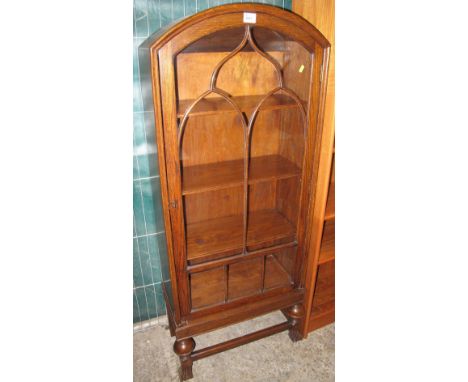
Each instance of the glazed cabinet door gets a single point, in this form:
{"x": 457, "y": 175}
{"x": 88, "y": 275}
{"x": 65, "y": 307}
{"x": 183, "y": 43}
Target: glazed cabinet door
{"x": 239, "y": 107}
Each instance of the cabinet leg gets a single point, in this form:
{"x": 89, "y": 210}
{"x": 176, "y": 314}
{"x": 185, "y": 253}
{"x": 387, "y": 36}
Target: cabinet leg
{"x": 295, "y": 315}
{"x": 184, "y": 348}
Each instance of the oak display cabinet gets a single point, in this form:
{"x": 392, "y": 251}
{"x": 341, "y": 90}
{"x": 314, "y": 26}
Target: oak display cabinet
{"x": 238, "y": 95}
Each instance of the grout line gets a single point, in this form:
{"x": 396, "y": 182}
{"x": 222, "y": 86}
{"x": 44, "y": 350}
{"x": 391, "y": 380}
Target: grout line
{"x": 148, "y": 234}
{"x": 147, "y": 20}
{"x": 146, "y": 177}
{"x": 147, "y": 285}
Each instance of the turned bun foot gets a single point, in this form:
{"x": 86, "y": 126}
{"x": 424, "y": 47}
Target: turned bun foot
{"x": 295, "y": 315}
{"x": 184, "y": 348}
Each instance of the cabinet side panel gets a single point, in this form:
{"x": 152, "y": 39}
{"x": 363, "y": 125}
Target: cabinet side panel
{"x": 155, "y": 143}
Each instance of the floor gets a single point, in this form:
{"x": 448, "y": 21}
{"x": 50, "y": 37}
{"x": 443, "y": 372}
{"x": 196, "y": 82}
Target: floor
{"x": 272, "y": 359}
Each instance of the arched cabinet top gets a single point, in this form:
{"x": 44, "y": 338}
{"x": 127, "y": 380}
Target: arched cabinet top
{"x": 187, "y": 31}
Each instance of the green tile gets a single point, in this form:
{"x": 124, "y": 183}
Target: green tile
{"x": 161, "y": 305}
{"x": 136, "y": 76}
{"x": 137, "y": 100}
{"x": 146, "y": 264}
{"x": 141, "y": 18}
{"x": 136, "y": 174}
{"x": 166, "y": 12}
{"x": 288, "y": 4}
{"x": 178, "y": 10}
{"x": 151, "y": 190}
{"x": 138, "y": 209}
{"x": 139, "y": 139}
{"x": 152, "y": 301}
{"x": 150, "y": 132}
{"x": 154, "y": 22}
{"x": 148, "y": 165}
{"x": 137, "y": 275}
{"x": 202, "y": 4}
{"x": 154, "y": 257}
{"x": 142, "y": 303}
{"x": 136, "y": 309}
{"x": 190, "y": 7}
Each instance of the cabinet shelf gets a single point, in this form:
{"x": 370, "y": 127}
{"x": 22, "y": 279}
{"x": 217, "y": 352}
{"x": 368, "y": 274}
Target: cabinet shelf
{"x": 218, "y": 105}
{"x": 215, "y": 176}
{"x": 330, "y": 208}
{"x": 327, "y": 250}
{"x": 215, "y": 238}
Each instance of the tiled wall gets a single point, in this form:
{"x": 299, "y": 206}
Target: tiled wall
{"x": 148, "y": 228}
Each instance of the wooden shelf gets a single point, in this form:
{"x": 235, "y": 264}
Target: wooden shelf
{"x": 212, "y": 239}
{"x": 215, "y": 176}
{"x": 327, "y": 250}
{"x": 330, "y": 208}
{"x": 218, "y": 105}
{"x": 323, "y": 305}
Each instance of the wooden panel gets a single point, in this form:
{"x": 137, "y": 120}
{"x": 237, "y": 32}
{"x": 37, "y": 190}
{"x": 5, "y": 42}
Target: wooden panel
{"x": 216, "y": 105}
{"x": 208, "y": 288}
{"x": 327, "y": 250}
{"x": 275, "y": 274}
{"x": 330, "y": 208}
{"x": 224, "y": 174}
{"x": 297, "y": 71}
{"x": 265, "y": 133}
{"x": 247, "y": 73}
{"x": 228, "y": 39}
{"x": 211, "y": 139}
{"x": 323, "y": 305}
{"x": 287, "y": 198}
{"x": 262, "y": 196}
{"x": 203, "y": 323}
{"x": 220, "y": 237}
{"x": 245, "y": 278}
{"x": 199, "y": 206}
{"x": 291, "y": 139}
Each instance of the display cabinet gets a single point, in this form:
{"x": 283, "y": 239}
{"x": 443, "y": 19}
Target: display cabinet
{"x": 237, "y": 96}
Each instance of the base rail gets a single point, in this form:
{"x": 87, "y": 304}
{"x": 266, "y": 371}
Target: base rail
{"x": 235, "y": 342}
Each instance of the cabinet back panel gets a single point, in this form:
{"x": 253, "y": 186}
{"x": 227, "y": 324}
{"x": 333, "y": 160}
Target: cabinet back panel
{"x": 219, "y": 137}
{"x": 247, "y": 73}
{"x": 213, "y": 204}
{"x": 262, "y": 196}
{"x": 287, "y": 198}
{"x": 297, "y": 69}
{"x": 212, "y": 138}
{"x": 291, "y": 139}
{"x": 265, "y": 133}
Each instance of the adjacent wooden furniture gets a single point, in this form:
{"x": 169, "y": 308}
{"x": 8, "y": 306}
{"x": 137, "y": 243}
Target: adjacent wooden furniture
{"x": 320, "y": 279}
{"x": 238, "y": 96}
